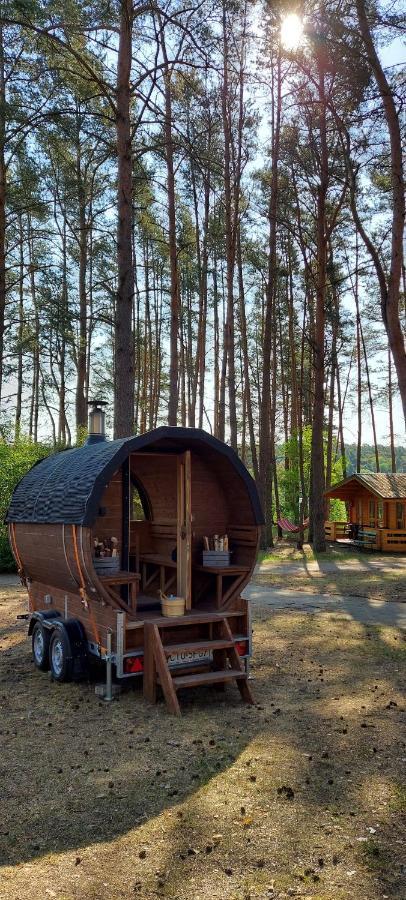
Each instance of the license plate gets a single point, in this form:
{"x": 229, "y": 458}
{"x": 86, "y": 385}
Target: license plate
{"x": 189, "y": 657}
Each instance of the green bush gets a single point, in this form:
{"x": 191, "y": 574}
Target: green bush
{"x": 15, "y": 461}
{"x": 289, "y": 480}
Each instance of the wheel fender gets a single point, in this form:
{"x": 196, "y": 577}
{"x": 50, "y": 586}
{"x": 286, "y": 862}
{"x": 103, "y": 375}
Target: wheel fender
{"x": 75, "y": 636}
{"x": 45, "y": 616}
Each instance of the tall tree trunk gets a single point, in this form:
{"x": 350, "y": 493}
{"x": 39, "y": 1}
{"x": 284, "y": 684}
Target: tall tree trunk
{"x": 2, "y": 208}
{"x": 17, "y": 431}
{"x": 229, "y": 238}
{"x": 221, "y": 427}
{"x": 265, "y": 474}
{"x": 340, "y": 437}
{"x": 371, "y": 403}
{"x": 81, "y": 405}
{"x": 34, "y": 409}
{"x": 173, "y": 250}
{"x": 390, "y": 400}
{"x": 245, "y": 361}
{"x": 216, "y": 341}
{"x": 390, "y": 297}
{"x": 317, "y": 452}
{"x": 124, "y": 338}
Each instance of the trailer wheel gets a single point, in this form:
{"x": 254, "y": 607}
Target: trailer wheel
{"x": 40, "y": 646}
{"x": 60, "y": 656}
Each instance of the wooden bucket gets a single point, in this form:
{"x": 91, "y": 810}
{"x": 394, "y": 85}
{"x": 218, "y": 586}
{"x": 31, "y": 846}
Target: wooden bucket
{"x": 172, "y": 606}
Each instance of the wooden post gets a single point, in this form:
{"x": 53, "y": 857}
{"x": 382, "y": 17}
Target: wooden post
{"x": 125, "y": 548}
{"x": 184, "y": 530}
{"x": 149, "y": 684}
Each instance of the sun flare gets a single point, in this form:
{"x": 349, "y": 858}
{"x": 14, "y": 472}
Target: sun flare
{"x": 292, "y": 30}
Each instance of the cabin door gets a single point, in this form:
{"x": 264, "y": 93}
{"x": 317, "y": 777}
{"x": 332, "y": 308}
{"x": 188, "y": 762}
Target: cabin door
{"x": 184, "y": 528}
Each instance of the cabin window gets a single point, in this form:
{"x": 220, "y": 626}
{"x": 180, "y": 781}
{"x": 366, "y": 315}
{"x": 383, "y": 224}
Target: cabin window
{"x": 400, "y": 515}
{"x": 380, "y": 515}
{"x": 139, "y": 505}
{"x": 372, "y": 512}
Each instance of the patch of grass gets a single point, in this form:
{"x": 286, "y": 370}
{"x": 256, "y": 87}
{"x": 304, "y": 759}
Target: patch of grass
{"x": 286, "y": 551}
{"x": 372, "y": 854}
{"x": 398, "y": 799}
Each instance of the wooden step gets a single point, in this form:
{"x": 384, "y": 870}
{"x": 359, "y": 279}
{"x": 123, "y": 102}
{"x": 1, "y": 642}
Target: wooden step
{"x": 196, "y": 646}
{"x": 221, "y": 675}
{"x": 157, "y": 671}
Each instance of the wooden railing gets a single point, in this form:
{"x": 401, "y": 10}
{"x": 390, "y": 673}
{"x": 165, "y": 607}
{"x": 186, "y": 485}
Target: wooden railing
{"x": 393, "y": 540}
{"x": 387, "y": 539}
{"x": 334, "y": 530}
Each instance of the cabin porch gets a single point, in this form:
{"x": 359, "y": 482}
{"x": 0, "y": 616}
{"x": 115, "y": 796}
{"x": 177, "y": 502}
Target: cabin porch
{"x": 386, "y": 540}
{"x": 376, "y": 508}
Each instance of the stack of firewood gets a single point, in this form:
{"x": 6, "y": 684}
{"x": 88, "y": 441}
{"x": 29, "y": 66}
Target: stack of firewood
{"x": 106, "y": 547}
{"x": 218, "y": 542}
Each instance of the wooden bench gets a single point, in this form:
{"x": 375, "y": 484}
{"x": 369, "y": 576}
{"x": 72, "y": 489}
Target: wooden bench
{"x": 237, "y": 573}
{"x": 366, "y": 539}
{"x": 152, "y": 545}
{"x": 159, "y": 565}
{"x": 117, "y": 579}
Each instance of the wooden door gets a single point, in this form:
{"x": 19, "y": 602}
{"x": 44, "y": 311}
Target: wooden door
{"x": 184, "y": 529}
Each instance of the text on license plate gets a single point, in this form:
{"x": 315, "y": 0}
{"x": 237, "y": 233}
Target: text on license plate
{"x": 188, "y": 657}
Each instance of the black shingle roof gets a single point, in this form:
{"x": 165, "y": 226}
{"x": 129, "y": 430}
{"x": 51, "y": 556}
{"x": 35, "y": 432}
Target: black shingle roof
{"x": 67, "y": 487}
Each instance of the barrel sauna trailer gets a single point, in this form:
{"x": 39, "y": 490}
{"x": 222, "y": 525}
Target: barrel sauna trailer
{"x": 100, "y": 533}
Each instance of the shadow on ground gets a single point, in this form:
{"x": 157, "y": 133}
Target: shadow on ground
{"x": 229, "y": 801}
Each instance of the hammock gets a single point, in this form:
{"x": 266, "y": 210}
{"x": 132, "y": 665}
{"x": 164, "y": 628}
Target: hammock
{"x": 286, "y": 525}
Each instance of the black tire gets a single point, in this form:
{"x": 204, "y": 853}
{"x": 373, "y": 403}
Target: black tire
{"x": 60, "y": 660}
{"x": 41, "y": 639}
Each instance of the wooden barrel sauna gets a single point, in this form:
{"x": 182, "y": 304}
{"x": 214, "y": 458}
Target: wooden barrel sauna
{"x": 160, "y": 496}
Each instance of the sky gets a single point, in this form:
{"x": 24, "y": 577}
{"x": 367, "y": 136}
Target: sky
{"x": 393, "y": 55}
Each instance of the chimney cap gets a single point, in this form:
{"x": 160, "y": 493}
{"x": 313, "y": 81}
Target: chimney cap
{"x": 96, "y": 402}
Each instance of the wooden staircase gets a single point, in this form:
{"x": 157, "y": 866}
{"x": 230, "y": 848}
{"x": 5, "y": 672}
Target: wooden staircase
{"x": 160, "y": 643}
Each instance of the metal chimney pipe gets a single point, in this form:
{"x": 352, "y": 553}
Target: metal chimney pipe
{"x": 97, "y": 422}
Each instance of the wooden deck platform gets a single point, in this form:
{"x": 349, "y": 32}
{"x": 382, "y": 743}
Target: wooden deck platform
{"x": 201, "y": 614}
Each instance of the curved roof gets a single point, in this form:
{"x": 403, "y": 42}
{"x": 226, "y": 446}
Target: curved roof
{"x": 67, "y": 487}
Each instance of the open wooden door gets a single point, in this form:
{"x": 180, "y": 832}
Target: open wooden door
{"x": 184, "y": 529}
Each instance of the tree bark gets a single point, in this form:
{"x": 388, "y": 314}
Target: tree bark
{"x": 173, "y": 250}
{"x": 230, "y": 240}
{"x": 2, "y": 208}
{"x": 124, "y": 339}
{"x": 264, "y": 462}
{"x": 17, "y": 431}
{"x": 390, "y": 400}
{"x": 317, "y": 452}
{"x": 81, "y": 405}
{"x": 390, "y": 297}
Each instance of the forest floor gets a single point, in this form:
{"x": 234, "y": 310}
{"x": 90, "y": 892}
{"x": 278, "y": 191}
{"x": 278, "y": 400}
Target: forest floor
{"x": 298, "y": 796}
{"x": 338, "y": 571}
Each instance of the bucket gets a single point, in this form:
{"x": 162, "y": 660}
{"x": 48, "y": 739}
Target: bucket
{"x": 172, "y": 606}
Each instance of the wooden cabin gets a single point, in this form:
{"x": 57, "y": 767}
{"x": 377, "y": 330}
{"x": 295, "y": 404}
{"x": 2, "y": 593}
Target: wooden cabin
{"x": 376, "y": 505}
{"x": 157, "y": 500}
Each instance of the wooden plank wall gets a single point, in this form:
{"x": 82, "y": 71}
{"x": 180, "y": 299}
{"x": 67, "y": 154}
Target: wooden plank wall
{"x": 41, "y": 549}
{"x": 110, "y": 525}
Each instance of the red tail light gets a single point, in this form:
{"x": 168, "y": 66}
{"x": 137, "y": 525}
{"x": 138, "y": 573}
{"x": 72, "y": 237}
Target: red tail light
{"x": 133, "y": 664}
{"x": 242, "y": 648}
